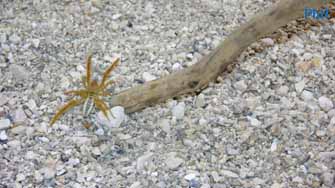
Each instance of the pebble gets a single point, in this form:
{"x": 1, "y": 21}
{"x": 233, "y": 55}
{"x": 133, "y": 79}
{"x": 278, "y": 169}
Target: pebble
{"x": 116, "y": 117}
{"x": 14, "y": 38}
{"x": 325, "y": 103}
{"x": 276, "y": 185}
{"x": 307, "y": 96}
{"x": 3, "y": 136}
{"x": 143, "y": 160}
{"x": 200, "y": 101}
{"x": 178, "y": 111}
{"x": 165, "y": 126}
{"x": 148, "y": 77}
{"x": 241, "y": 85}
{"x": 20, "y": 177}
{"x": 173, "y": 162}
{"x": 205, "y": 186}
{"x": 176, "y": 67}
{"x": 191, "y": 176}
{"x": 48, "y": 173}
{"x": 30, "y": 155}
{"x": 19, "y": 72}
{"x": 229, "y": 174}
{"x": 267, "y": 41}
{"x": 14, "y": 143}
{"x": 4, "y": 124}
{"x": 254, "y": 122}
{"x": 35, "y": 42}
{"x": 300, "y": 86}
{"x": 283, "y": 90}
{"x": 18, "y": 130}
{"x": 136, "y": 184}
{"x": 328, "y": 178}
{"x": 3, "y": 99}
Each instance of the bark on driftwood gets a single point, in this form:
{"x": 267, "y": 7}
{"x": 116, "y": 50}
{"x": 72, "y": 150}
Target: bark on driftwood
{"x": 197, "y": 77}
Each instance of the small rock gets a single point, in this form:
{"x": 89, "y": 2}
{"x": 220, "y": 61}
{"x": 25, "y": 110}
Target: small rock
{"x": 229, "y": 174}
{"x": 20, "y": 117}
{"x": 116, "y": 117}
{"x": 38, "y": 176}
{"x": 19, "y": 130}
{"x": 14, "y": 143}
{"x": 327, "y": 36}
{"x": 303, "y": 66}
{"x": 48, "y": 173}
{"x": 96, "y": 151}
{"x": 200, "y": 101}
{"x": 100, "y": 132}
{"x": 31, "y": 104}
{"x": 173, "y": 162}
{"x": 148, "y": 77}
{"x": 307, "y": 96}
{"x": 20, "y": 177}
{"x": 241, "y": 85}
{"x": 300, "y": 86}
{"x": 325, "y": 103}
{"x": 328, "y": 179}
{"x": 30, "y": 155}
{"x": 274, "y": 145}
{"x": 4, "y": 124}
{"x": 3, "y": 136}
{"x": 165, "y": 126}
{"x": 73, "y": 161}
{"x": 3, "y": 99}
{"x": 191, "y": 176}
{"x": 14, "y": 38}
{"x": 254, "y": 122}
{"x": 116, "y": 16}
{"x": 97, "y": 3}
{"x": 205, "y": 186}
{"x": 136, "y": 184}
{"x": 19, "y": 72}
{"x": 178, "y": 111}
{"x": 267, "y": 41}
{"x": 283, "y": 90}
{"x": 176, "y": 67}
{"x": 35, "y": 42}
{"x": 298, "y": 179}
{"x": 202, "y": 122}
{"x": 276, "y": 185}
{"x": 144, "y": 160}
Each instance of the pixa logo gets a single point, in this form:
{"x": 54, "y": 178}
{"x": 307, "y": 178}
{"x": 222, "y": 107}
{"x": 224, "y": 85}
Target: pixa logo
{"x": 322, "y": 13}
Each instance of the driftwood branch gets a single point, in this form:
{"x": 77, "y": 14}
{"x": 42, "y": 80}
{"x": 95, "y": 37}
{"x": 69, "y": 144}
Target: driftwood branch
{"x": 197, "y": 77}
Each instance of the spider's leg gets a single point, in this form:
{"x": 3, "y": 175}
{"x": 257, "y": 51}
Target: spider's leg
{"x": 65, "y": 108}
{"x": 83, "y": 80}
{"x": 109, "y": 70}
{"x": 88, "y": 70}
{"x": 107, "y": 84}
{"x": 101, "y": 105}
{"x": 88, "y": 105}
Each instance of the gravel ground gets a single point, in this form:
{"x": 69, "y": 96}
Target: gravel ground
{"x": 268, "y": 123}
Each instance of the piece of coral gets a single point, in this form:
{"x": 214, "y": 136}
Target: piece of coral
{"x": 91, "y": 94}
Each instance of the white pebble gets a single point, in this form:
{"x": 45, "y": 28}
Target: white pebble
{"x": 178, "y": 111}
{"x": 325, "y": 103}
{"x": 116, "y": 117}
{"x": 143, "y": 160}
{"x": 267, "y": 41}
{"x": 300, "y": 86}
{"x": 3, "y": 135}
{"x": 176, "y": 67}
{"x": 4, "y": 124}
{"x": 148, "y": 77}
